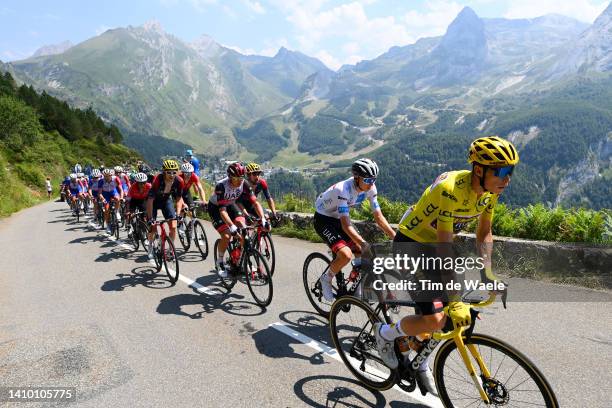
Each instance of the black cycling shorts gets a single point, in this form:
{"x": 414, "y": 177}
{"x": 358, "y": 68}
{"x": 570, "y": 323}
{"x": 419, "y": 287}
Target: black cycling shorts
{"x": 423, "y": 308}
{"x": 331, "y": 232}
{"x": 188, "y": 198}
{"x": 215, "y": 215}
{"x": 166, "y": 206}
{"x": 136, "y": 204}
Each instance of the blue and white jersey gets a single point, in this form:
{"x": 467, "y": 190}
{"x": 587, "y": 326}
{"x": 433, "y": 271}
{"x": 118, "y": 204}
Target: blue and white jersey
{"x": 338, "y": 199}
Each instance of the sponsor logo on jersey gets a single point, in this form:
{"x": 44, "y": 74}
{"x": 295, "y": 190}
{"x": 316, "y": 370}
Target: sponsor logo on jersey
{"x": 449, "y": 195}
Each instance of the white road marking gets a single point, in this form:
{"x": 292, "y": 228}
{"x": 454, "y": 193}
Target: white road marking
{"x": 428, "y": 399}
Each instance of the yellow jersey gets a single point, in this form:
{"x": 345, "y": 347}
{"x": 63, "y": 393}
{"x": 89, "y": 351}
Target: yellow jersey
{"x": 448, "y": 205}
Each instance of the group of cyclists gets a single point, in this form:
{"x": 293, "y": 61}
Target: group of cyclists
{"x": 444, "y": 208}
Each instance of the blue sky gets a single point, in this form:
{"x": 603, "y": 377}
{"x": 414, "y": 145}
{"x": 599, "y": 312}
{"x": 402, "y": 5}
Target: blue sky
{"x": 335, "y": 31}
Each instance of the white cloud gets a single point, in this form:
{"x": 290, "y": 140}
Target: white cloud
{"x": 328, "y": 59}
{"x": 254, "y": 6}
{"x": 434, "y": 20}
{"x": 346, "y": 22}
{"x": 243, "y": 51}
{"x": 351, "y": 48}
{"x": 202, "y": 5}
{"x": 584, "y": 10}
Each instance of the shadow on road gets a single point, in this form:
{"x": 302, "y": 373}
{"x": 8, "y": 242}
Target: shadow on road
{"x": 140, "y": 276}
{"x": 190, "y": 256}
{"x": 330, "y": 391}
{"x": 275, "y": 344}
{"x": 309, "y": 323}
{"x": 115, "y": 253}
{"x": 85, "y": 240}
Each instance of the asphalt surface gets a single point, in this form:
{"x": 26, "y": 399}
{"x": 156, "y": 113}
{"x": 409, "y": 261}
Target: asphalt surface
{"x": 79, "y": 309}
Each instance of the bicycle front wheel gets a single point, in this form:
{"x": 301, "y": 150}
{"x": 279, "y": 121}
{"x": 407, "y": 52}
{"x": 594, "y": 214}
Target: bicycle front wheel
{"x": 514, "y": 380}
{"x": 258, "y": 277}
{"x": 171, "y": 263}
{"x": 351, "y": 322}
{"x": 200, "y": 239}
{"x": 315, "y": 265}
{"x": 266, "y": 247}
{"x": 229, "y": 282}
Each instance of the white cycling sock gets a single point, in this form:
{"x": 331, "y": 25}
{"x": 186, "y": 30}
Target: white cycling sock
{"x": 220, "y": 257}
{"x": 425, "y": 364}
{"x": 392, "y": 331}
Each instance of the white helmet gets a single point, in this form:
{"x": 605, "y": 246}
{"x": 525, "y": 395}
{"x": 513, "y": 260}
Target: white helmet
{"x": 365, "y": 168}
{"x": 95, "y": 173}
{"x": 140, "y": 177}
{"x": 108, "y": 172}
{"x": 73, "y": 176}
{"x": 80, "y": 175}
{"x": 118, "y": 169}
{"x": 187, "y": 168}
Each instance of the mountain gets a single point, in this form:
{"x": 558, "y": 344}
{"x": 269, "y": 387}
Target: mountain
{"x": 151, "y": 83}
{"x": 286, "y": 71}
{"x": 590, "y": 53}
{"x": 52, "y": 49}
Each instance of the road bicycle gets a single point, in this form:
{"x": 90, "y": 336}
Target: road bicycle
{"x": 469, "y": 369}
{"x": 315, "y": 265}
{"x": 137, "y": 230}
{"x": 189, "y": 228}
{"x": 164, "y": 253}
{"x": 246, "y": 260}
{"x": 263, "y": 242}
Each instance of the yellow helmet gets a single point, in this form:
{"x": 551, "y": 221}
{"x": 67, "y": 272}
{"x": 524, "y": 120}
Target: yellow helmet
{"x": 252, "y": 168}
{"x": 170, "y": 165}
{"x": 493, "y": 151}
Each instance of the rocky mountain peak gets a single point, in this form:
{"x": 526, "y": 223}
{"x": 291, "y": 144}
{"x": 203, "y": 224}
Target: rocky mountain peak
{"x": 52, "y": 49}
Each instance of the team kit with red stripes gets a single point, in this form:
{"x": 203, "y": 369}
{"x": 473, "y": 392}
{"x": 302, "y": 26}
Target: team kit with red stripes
{"x": 447, "y": 206}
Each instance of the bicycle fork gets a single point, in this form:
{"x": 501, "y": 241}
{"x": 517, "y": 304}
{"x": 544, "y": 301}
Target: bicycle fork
{"x": 462, "y": 348}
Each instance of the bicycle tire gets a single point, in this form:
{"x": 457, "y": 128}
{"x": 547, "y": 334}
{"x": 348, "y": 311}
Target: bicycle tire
{"x": 267, "y": 250}
{"x": 377, "y": 378}
{"x": 262, "y": 275}
{"x": 185, "y": 241}
{"x": 229, "y": 282}
{"x": 312, "y": 286}
{"x": 200, "y": 238}
{"x": 445, "y": 350}
{"x": 170, "y": 250}
{"x": 77, "y": 210}
{"x": 157, "y": 253}
{"x": 143, "y": 232}
{"x": 134, "y": 236}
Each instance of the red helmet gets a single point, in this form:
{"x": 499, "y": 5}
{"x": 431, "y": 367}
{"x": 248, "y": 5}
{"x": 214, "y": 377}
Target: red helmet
{"x": 236, "y": 170}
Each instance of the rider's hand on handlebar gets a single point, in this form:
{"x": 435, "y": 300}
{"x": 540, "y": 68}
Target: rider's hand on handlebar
{"x": 460, "y": 314}
{"x": 233, "y": 229}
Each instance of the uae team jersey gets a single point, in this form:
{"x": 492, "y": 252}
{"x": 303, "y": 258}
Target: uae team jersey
{"x": 338, "y": 199}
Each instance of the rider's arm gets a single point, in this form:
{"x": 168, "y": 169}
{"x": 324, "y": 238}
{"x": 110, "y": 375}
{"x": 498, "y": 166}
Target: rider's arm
{"x": 348, "y": 228}
{"x": 200, "y": 189}
{"x": 266, "y": 193}
{"x": 383, "y": 224}
{"x": 484, "y": 238}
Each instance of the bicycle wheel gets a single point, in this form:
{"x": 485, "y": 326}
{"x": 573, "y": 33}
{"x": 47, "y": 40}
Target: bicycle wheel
{"x": 134, "y": 234}
{"x": 200, "y": 239}
{"x": 266, "y": 247}
{"x": 170, "y": 260}
{"x": 77, "y": 209}
{"x": 181, "y": 229}
{"x": 350, "y": 322}
{"x": 514, "y": 378}
{"x": 229, "y": 282}
{"x": 143, "y": 231}
{"x": 315, "y": 265}
{"x": 157, "y": 253}
{"x": 258, "y": 277}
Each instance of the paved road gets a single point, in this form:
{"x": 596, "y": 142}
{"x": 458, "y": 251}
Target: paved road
{"x": 79, "y": 309}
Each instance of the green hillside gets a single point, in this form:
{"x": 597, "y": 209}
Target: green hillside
{"x": 40, "y": 137}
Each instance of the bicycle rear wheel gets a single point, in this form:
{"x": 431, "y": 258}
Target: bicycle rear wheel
{"x": 514, "y": 379}
{"x": 229, "y": 282}
{"x": 258, "y": 277}
{"x": 200, "y": 239}
{"x": 157, "y": 253}
{"x": 170, "y": 260}
{"x": 134, "y": 234}
{"x": 351, "y": 322}
{"x": 315, "y": 265}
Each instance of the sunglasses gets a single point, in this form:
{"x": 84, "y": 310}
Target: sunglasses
{"x": 502, "y": 172}
{"x": 173, "y": 173}
{"x": 258, "y": 173}
{"x": 236, "y": 178}
{"x": 369, "y": 180}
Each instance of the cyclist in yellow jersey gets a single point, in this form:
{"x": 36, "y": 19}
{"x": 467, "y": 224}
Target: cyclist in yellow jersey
{"x": 446, "y": 206}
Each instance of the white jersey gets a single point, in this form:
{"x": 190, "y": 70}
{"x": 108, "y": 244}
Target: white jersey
{"x": 337, "y": 200}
